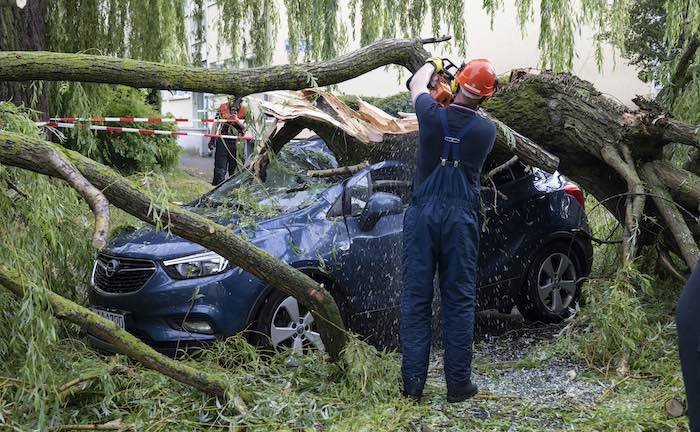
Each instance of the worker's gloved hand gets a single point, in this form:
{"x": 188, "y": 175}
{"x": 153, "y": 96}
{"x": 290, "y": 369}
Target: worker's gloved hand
{"x": 437, "y": 62}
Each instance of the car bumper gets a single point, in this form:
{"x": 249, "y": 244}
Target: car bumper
{"x": 155, "y": 312}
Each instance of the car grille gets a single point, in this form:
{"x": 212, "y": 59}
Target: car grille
{"x": 122, "y": 275}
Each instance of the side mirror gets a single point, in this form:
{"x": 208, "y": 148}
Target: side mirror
{"x": 380, "y": 204}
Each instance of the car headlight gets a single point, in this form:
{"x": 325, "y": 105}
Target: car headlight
{"x": 194, "y": 266}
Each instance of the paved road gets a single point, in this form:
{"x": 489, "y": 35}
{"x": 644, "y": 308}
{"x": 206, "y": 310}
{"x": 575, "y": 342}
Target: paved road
{"x": 202, "y": 167}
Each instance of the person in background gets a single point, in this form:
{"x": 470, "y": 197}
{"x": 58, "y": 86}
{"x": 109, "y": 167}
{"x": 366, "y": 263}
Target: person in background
{"x": 688, "y": 325}
{"x": 225, "y": 149}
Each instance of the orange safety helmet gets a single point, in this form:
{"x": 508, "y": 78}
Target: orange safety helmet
{"x": 477, "y": 77}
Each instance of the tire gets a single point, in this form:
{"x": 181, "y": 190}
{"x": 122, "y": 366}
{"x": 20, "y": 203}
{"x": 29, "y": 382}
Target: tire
{"x": 283, "y": 324}
{"x": 551, "y": 287}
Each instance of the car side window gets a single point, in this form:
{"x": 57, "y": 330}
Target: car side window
{"x": 359, "y": 195}
{"x": 394, "y": 180}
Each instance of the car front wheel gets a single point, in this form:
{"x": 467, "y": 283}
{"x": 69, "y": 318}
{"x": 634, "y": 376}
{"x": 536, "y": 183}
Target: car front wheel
{"x": 287, "y": 325}
{"x": 551, "y": 288}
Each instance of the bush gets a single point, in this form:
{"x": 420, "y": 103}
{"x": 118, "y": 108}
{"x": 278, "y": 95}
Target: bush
{"x": 127, "y": 152}
{"x": 400, "y": 102}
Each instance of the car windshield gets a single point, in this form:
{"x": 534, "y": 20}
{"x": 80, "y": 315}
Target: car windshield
{"x": 286, "y": 189}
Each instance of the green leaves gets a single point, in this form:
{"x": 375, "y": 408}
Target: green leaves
{"x": 125, "y": 152}
{"x": 248, "y": 28}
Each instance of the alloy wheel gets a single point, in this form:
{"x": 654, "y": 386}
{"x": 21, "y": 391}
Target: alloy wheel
{"x": 556, "y": 282}
{"x": 292, "y": 328}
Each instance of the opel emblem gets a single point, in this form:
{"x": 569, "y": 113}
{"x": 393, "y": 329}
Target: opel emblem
{"x": 111, "y": 268}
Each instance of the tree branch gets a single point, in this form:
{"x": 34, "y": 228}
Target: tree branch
{"x": 16, "y": 188}
{"x": 274, "y": 144}
{"x": 340, "y": 171}
{"x": 672, "y": 216}
{"x": 680, "y": 74}
{"x": 123, "y": 341}
{"x": 95, "y": 199}
{"x": 667, "y": 130}
{"x": 70, "y": 385}
{"x": 52, "y": 66}
{"x": 24, "y": 152}
{"x": 634, "y": 206}
{"x": 502, "y": 167}
{"x": 681, "y": 183}
{"x": 668, "y": 264}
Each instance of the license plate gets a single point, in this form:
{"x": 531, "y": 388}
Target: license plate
{"x": 116, "y": 318}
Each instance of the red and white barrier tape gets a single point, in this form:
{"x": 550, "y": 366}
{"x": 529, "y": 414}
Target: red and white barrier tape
{"x": 136, "y": 120}
{"x": 139, "y": 131}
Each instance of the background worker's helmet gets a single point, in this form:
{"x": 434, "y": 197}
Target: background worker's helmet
{"x": 476, "y": 78}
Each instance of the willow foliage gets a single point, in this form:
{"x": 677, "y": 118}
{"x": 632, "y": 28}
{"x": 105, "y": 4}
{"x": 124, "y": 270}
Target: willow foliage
{"x": 145, "y": 29}
{"x": 249, "y": 27}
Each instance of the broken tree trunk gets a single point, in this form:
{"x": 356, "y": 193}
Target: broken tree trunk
{"x": 32, "y": 154}
{"x": 601, "y": 145}
{"x": 126, "y": 343}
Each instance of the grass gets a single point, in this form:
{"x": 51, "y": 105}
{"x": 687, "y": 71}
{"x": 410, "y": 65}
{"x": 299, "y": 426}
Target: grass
{"x": 626, "y": 316}
{"x": 180, "y": 186}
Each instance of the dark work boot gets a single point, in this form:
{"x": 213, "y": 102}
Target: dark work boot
{"x": 463, "y": 394}
{"x": 414, "y": 396}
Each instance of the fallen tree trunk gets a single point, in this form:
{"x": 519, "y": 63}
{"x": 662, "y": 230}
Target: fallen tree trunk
{"x": 126, "y": 343}
{"x": 601, "y": 145}
{"x": 32, "y": 154}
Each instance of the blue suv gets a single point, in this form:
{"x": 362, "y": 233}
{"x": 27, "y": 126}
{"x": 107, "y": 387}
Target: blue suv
{"x": 347, "y": 234}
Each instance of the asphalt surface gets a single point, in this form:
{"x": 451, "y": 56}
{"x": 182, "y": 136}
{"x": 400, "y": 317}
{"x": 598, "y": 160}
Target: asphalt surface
{"x": 202, "y": 167}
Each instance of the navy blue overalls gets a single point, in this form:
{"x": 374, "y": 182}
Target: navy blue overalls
{"x": 441, "y": 230}
{"x": 688, "y": 327}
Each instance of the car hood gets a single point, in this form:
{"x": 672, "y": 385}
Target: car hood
{"x": 149, "y": 243}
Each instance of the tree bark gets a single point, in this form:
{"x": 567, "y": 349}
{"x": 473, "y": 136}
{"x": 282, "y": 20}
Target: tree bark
{"x": 340, "y": 171}
{"x": 600, "y": 143}
{"x": 24, "y": 30}
{"x": 125, "y": 342}
{"x": 51, "y": 66}
{"x": 672, "y": 216}
{"x": 27, "y": 153}
{"x": 682, "y": 184}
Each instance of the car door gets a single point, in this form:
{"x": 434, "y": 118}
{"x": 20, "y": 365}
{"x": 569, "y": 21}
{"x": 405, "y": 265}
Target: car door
{"x": 372, "y": 267}
{"x": 504, "y": 232}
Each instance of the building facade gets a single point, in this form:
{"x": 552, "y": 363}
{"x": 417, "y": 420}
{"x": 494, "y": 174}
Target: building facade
{"x": 503, "y": 44}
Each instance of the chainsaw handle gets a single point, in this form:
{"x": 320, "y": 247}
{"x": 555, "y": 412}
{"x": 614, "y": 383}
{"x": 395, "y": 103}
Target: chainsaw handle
{"x": 447, "y": 64}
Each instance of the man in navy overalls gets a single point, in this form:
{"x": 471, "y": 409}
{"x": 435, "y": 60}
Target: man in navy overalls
{"x": 441, "y": 226}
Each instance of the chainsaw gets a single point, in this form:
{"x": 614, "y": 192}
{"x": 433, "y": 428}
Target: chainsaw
{"x": 440, "y": 84}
